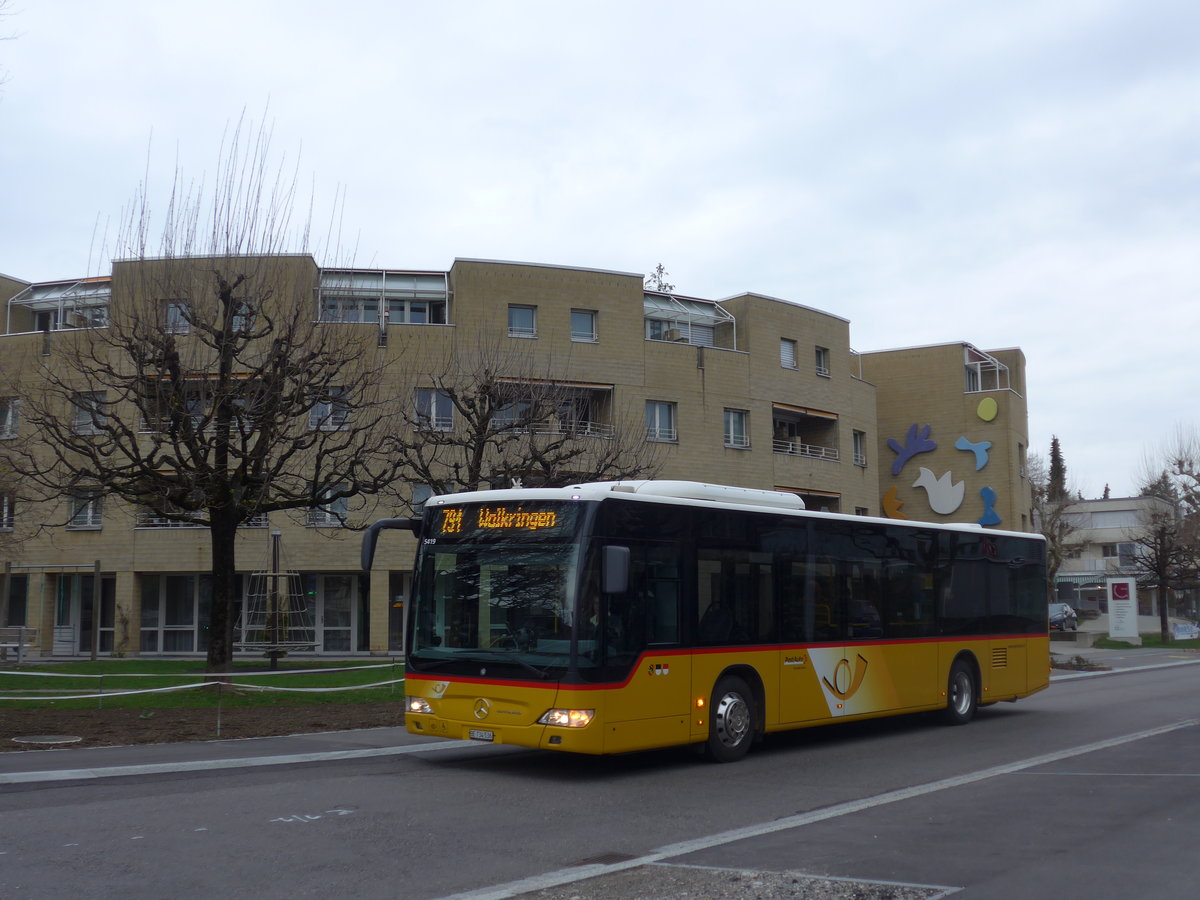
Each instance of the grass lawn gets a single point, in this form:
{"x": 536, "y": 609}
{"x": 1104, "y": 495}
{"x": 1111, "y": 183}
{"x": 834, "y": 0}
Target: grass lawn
{"x": 47, "y": 681}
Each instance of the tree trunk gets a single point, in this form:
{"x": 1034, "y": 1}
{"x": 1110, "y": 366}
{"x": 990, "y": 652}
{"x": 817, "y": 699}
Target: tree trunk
{"x": 224, "y": 591}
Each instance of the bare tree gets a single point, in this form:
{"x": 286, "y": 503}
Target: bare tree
{"x": 1051, "y": 502}
{"x": 1165, "y": 557}
{"x": 211, "y": 395}
{"x": 1182, "y": 463}
{"x": 488, "y": 417}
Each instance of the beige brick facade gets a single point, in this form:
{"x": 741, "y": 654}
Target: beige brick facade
{"x": 752, "y": 391}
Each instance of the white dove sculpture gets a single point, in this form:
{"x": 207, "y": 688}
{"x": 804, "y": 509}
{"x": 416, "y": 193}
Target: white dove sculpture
{"x": 945, "y": 496}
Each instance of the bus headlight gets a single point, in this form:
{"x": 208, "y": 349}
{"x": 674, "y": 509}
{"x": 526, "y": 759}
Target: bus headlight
{"x": 568, "y": 718}
{"x": 419, "y": 705}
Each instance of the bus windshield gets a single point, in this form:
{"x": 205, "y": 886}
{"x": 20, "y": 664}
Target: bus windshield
{"x": 503, "y": 602}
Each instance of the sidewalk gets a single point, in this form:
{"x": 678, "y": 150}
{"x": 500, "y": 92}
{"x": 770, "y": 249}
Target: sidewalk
{"x": 27, "y": 766}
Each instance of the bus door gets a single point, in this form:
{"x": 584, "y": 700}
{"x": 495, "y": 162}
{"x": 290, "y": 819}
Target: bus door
{"x": 641, "y": 636}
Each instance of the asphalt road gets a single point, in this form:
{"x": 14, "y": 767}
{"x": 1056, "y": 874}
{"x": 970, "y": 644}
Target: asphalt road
{"x": 1091, "y": 788}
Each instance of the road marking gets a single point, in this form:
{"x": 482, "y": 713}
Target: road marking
{"x": 204, "y": 765}
{"x": 579, "y": 873}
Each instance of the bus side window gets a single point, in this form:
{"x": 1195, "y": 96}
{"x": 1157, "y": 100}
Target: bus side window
{"x": 793, "y": 623}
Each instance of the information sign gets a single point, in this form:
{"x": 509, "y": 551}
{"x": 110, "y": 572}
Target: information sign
{"x": 1122, "y": 609}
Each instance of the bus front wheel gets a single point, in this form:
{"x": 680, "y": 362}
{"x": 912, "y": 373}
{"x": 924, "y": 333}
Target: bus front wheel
{"x": 731, "y": 720}
{"x": 961, "y": 695}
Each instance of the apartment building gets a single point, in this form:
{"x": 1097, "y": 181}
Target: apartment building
{"x": 749, "y": 390}
{"x": 1102, "y": 545}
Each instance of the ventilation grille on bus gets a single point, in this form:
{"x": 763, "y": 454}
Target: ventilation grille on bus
{"x": 1000, "y": 658}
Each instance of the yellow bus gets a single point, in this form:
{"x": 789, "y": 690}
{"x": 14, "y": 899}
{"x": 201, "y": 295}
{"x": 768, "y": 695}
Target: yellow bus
{"x": 621, "y": 616}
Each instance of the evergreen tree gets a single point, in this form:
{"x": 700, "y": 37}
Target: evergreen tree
{"x": 1056, "y": 486}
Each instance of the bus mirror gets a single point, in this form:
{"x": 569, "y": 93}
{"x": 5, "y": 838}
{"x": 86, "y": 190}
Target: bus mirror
{"x": 367, "y": 554}
{"x": 614, "y": 576}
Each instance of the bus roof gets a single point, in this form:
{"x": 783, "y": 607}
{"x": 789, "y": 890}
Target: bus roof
{"x": 701, "y": 494}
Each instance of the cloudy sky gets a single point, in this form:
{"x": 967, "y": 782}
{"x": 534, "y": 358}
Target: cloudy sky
{"x": 1005, "y": 173}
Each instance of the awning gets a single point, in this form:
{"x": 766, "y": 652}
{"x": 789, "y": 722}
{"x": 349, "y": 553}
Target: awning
{"x": 804, "y": 410}
{"x": 552, "y": 382}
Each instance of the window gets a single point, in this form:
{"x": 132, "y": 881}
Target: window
{"x": 680, "y": 333}
{"x": 1124, "y": 552}
{"x": 737, "y": 434}
{"x": 522, "y": 321}
{"x": 660, "y": 421}
{"x": 175, "y": 610}
{"x": 175, "y": 317}
{"x": 87, "y": 510}
{"x": 435, "y": 410}
{"x": 329, "y": 413}
{"x": 787, "y": 353}
{"x": 514, "y": 414}
{"x": 90, "y": 413}
{"x": 656, "y": 329}
{"x": 6, "y": 512}
{"x": 823, "y": 361}
{"x": 417, "y": 312}
{"x": 9, "y": 416}
{"x": 861, "y": 511}
{"x": 422, "y": 492}
{"x": 331, "y": 514}
{"x": 349, "y": 308}
{"x": 243, "y": 318}
{"x": 860, "y": 448}
{"x": 583, "y": 325}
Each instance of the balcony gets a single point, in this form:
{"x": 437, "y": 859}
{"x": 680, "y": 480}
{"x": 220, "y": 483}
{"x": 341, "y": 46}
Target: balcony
{"x": 60, "y": 306}
{"x": 812, "y": 451}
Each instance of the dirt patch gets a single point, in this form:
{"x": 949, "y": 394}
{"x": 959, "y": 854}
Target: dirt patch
{"x": 118, "y": 727}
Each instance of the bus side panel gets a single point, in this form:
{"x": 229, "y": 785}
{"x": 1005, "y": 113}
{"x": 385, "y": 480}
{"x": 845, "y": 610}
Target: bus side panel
{"x": 1005, "y": 672}
{"x": 913, "y": 670}
{"x": 802, "y": 696}
{"x": 1038, "y": 662}
{"x": 631, "y": 717}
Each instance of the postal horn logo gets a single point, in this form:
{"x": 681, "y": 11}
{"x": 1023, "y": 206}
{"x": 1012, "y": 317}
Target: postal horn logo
{"x": 482, "y": 708}
{"x": 846, "y": 682}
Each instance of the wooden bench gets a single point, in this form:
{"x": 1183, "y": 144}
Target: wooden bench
{"x": 19, "y": 638}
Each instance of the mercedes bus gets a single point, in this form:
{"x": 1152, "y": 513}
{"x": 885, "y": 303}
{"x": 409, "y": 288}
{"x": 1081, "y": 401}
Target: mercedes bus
{"x": 620, "y": 616}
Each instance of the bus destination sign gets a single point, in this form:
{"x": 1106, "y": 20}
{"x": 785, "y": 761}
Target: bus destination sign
{"x": 503, "y": 518}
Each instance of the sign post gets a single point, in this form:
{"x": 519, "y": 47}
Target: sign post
{"x": 1122, "y": 611}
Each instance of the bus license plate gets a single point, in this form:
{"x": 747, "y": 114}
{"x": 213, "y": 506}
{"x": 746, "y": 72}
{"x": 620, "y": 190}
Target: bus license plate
{"x": 478, "y": 734}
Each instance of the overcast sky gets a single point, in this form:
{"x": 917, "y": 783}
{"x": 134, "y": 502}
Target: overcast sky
{"x": 1004, "y": 173}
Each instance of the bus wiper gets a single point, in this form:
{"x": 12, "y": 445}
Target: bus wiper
{"x": 510, "y": 657}
{"x": 428, "y": 666}
{"x": 424, "y": 665}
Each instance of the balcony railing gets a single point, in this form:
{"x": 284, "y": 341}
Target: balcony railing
{"x": 812, "y": 451}
{"x": 1110, "y": 565}
{"x": 157, "y": 520}
{"x": 568, "y": 429}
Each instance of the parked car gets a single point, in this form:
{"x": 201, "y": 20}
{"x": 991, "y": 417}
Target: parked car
{"x": 1062, "y": 617}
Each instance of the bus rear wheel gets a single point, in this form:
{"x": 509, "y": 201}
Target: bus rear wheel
{"x": 730, "y": 721}
{"x": 961, "y": 695}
